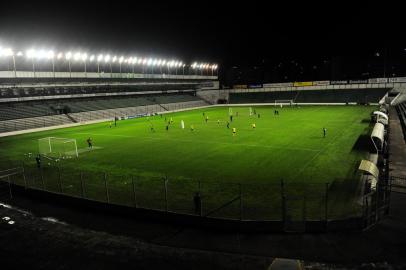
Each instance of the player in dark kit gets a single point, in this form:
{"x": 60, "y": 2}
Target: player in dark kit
{"x": 89, "y": 143}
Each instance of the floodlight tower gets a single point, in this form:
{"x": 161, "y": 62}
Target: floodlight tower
{"x": 68, "y": 57}
{"x": 7, "y": 52}
{"x": 120, "y": 61}
{"x": 107, "y": 60}
{"x": 99, "y": 58}
{"x": 83, "y": 57}
{"x": 31, "y": 55}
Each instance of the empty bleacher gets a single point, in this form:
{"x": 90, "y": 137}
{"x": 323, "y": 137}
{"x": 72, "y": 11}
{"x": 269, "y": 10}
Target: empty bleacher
{"x": 27, "y": 115}
{"x": 360, "y": 96}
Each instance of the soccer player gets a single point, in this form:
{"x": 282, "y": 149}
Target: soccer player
{"x": 89, "y": 143}
{"x": 167, "y": 127}
{"x": 207, "y": 118}
{"x": 38, "y": 160}
{"x": 234, "y": 131}
{"x": 218, "y": 122}
{"x": 259, "y": 116}
{"x": 110, "y": 124}
{"x": 324, "y": 132}
{"x": 231, "y": 118}
{"x": 192, "y": 128}
{"x": 254, "y": 126}
{"x": 228, "y": 124}
{"x": 182, "y": 124}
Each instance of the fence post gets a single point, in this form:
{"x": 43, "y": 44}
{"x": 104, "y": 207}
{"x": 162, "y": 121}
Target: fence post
{"x": 166, "y": 192}
{"x": 60, "y": 179}
{"x": 105, "y": 186}
{"x": 241, "y": 206}
{"x": 82, "y": 184}
{"x": 326, "y": 205}
{"x": 201, "y": 198}
{"x": 283, "y": 201}
{"x": 9, "y": 186}
{"x": 134, "y": 193}
{"x": 25, "y": 180}
{"x": 42, "y": 178}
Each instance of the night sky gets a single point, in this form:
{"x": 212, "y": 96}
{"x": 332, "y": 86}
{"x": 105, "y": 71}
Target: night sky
{"x": 253, "y": 41}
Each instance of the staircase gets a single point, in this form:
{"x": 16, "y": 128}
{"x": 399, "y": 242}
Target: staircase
{"x": 71, "y": 118}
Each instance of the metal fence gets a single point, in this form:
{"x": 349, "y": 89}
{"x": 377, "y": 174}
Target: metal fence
{"x": 287, "y": 201}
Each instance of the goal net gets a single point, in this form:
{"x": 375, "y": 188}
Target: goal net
{"x": 53, "y": 147}
{"x": 282, "y": 102}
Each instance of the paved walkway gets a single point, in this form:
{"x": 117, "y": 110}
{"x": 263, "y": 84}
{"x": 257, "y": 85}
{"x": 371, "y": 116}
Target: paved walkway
{"x": 397, "y": 157}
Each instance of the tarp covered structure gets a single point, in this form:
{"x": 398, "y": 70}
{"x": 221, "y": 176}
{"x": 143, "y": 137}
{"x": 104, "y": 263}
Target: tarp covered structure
{"x": 369, "y": 167}
{"x": 381, "y": 114}
{"x": 377, "y": 136}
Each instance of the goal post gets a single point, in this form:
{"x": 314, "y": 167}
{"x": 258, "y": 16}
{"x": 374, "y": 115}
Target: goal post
{"x": 281, "y": 102}
{"x": 54, "y": 147}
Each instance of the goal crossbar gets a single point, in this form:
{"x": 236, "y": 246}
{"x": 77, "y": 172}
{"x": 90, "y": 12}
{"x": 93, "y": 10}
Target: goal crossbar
{"x": 57, "y": 147}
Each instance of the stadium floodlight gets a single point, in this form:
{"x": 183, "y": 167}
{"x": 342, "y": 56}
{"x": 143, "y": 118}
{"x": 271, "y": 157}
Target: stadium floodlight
{"x": 107, "y": 58}
{"x": 91, "y": 58}
{"x": 149, "y": 62}
{"x": 139, "y": 61}
{"x": 100, "y": 57}
{"x": 60, "y": 55}
{"x": 144, "y": 61}
{"x": 130, "y": 60}
{"x": 30, "y": 53}
{"x": 6, "y": 52}
{"x": 114, "y": 59}
{"x": 155, "y": 62}
{"x": 135, "y": 60}
{"x": 50, "y": 54}
{"x": 163, "y": 62}
{"x": 121, "y": 59}
{"x": 19, "y": 53}
{"x": 68, "y": 55}
{"x": 83, "y": 57}
{"x": 76, "y": 56}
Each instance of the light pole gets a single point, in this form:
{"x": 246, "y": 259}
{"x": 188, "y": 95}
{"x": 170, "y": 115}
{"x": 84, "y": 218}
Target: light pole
{"x": 120, "y": 61}
{"x": 84, "y": 58}
{"x": 31, "y": 55}
{"x": 9, "y": 52}
{"x": 99, "y": 58}
{"x": 68, "y": 56}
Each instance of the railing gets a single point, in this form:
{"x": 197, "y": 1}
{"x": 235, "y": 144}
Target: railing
{"x": 290, "y": 202}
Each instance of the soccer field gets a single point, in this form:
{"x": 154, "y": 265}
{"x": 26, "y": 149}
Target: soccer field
{"x": 289, "y": 147}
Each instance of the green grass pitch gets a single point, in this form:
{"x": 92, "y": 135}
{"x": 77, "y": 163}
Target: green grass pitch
{"x": 289, "y": 147}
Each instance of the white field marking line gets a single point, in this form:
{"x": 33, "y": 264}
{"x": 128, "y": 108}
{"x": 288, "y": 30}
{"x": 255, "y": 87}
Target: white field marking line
{"x": 322, "y": 150}
{"x": 208, "y": 142}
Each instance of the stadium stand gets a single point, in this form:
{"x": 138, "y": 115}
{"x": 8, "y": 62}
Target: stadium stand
{"x": 27, "y": 115}
{"x": 313, "y": 96}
